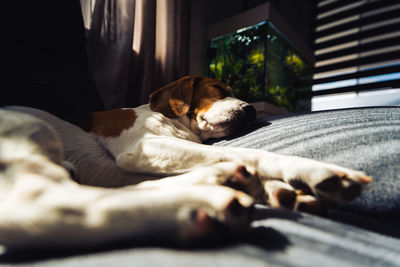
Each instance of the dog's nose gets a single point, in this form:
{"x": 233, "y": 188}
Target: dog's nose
{"x": 250, "y": 113}
{"x": 242, "y": 118}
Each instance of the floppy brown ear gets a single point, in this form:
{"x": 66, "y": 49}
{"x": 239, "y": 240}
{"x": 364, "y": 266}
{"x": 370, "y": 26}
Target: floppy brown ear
{"x": 174, "y": 99}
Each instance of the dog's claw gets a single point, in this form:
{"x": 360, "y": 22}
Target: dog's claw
{"x": 365, "y": 179}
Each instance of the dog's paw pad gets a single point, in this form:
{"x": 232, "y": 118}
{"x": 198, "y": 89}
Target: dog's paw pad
{"x": 329, "y": 185}
{"x": 285, "y": 197}
{"x": 341, "y": 187}
{"x": 203, "y": 221}
{"x": 238, "y": 179}
{"x": 237, "y": 212}
{"x": 282, "y": 195}
{"x": 236, "y": 209}
{"x": 242, "y": 179}
{"x": 207, "y": 223}
{"x": 243, "y": 172}
{"x": 309, "y": 204}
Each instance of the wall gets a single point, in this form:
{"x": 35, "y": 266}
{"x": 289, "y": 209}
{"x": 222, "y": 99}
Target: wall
{"x": 203, "y": 14}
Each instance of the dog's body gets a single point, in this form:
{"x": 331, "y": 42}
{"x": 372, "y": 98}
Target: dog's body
{"x": 39, "y": 203}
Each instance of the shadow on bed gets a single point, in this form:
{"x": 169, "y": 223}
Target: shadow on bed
{"x": 256, "y": 237}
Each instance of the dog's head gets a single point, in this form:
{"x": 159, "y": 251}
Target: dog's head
{"x": 207, "y": 103}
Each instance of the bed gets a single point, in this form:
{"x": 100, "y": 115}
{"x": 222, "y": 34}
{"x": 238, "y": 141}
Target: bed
{"x": 364, "y": 232}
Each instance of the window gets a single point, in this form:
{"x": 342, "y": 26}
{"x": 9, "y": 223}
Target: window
{"x": 357, "y": 51}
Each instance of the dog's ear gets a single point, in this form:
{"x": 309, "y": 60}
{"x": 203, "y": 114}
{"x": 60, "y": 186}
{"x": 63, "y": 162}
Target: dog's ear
{"x": 174, "y": 99}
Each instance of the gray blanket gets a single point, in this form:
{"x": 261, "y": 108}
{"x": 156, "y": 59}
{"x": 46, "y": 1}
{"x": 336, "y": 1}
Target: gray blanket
{"x": 362, "y": 233}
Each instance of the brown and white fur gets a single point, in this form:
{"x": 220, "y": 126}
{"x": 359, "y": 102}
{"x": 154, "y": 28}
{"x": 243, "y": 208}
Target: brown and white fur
{"x": 118, "y": 161}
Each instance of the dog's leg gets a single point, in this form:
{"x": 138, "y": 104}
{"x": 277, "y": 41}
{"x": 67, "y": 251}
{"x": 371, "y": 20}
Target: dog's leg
{"x": 51, "y": 210}
{"x": 274, "y": 192}
{"x": 230, "y": 174}
{"x": 327, "y": 182}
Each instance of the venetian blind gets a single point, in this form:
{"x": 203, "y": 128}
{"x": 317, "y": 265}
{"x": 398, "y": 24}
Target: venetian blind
{"x": 357, "y": 45}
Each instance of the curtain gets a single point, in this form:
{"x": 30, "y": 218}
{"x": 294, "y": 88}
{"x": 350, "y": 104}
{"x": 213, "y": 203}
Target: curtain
{"x": 43, "y": 59}
{"x": 136, "y": 46}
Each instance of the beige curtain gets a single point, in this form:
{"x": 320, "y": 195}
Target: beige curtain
{"x": 136, "y": 46}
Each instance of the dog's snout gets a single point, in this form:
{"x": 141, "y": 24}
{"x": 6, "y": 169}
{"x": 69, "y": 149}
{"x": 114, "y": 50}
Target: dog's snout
{"x": 243, "y": 118}
{"x": 250, "y": 113}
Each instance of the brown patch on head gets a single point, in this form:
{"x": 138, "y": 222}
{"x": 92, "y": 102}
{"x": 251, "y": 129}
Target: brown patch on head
{"x": 190, "y": 93}
{"x": 173, "y": 100}
{"x": 109, "y": 123}
{"x": 207, "y": 92}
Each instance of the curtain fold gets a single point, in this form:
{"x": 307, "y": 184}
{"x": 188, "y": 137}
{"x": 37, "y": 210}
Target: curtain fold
{"x": 137, "y": 46}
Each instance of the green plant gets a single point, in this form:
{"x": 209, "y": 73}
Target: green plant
{"x": 260, "y": 65}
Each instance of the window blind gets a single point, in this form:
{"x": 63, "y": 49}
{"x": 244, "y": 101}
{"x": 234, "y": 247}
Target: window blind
{"x": 357, "y": 46}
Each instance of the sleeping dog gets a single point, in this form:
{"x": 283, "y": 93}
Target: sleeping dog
{"x": 118, "y": 157}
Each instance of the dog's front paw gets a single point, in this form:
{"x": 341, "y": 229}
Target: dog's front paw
{"x": 237, "y": 176}
{"x": 340, "y": 186}
{"x": 229, "y": 174}
{"x": 228, "y": 213}
{"x": 311, "y": 186}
